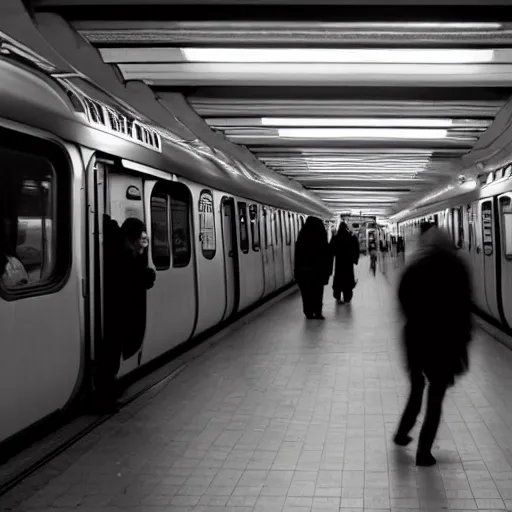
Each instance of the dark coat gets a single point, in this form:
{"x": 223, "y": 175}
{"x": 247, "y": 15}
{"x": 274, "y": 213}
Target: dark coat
{"x": 435, "y": 296}
{"x": 312, "y": 258}
{"x": 127, "y": 279}
{"x": 344, "y": 248}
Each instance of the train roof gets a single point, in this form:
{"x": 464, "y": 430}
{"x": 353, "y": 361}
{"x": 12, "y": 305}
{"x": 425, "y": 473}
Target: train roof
{"x": 73, "y": 109}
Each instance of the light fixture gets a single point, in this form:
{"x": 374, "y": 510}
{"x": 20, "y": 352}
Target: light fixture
{"x": 469, "y": 185}
{"x": 339, "y": 55}
{"x": 361, "y": 133}
{"x": 400, "y": 122}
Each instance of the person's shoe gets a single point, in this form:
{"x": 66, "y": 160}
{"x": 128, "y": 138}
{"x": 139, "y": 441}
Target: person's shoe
{"x": 425, "y": 459}
{"x": 402, "y": 439}
{"x": 319, "y": 316}
{"x": 339, "y": 301}
{"x": 310, "y": 317}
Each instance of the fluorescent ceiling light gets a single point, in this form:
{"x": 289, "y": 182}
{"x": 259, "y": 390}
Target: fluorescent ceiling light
{"x": 401, "y": 172}
{"x": 339, "y": 55}
{"x": 360, "y": 121}
{"x": 361, "y": 133}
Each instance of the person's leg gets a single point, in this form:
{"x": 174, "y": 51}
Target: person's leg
{"x": 412, "y": 409}
{"x": 336, "y": 292}
{"x": 305, "y": 291}
{"x": 436, "y": 393}
{"x": 348, "y": 294}
{"x": 109, "y": 360}
{"x": 318, "y": 296}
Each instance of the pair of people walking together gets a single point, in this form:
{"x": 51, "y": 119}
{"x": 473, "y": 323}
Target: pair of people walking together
{"x": 314, "y": 264}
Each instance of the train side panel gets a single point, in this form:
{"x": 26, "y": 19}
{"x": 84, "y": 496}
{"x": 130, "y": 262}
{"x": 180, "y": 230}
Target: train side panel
{"x": 41, "y": 304}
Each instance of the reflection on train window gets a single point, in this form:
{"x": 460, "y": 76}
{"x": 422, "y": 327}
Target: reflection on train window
{"x": 160, "y": 246}
{"x": 244, "y": 232}
{"x": 180, "y": 220}
{"x": 207, "y": 224}
{"x": 265, "y": 233}
{"x": 27, "y": 220}
{"x": 506, "y": 215}
{"x": 255, "y": 226}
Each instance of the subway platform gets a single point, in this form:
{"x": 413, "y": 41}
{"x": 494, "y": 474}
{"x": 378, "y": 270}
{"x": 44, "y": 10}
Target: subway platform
{"x": 284, "y": 414}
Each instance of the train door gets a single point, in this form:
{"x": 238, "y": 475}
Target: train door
{"x": 231, "y": 269}
{"x": 476, "y": 257}
{"x": 118, "y": 196}
{"x": 278, "y": 248}
{"x": 172, "y": 306}
{"x": 489, "y": 256}
{"x": 505, "y": 216}
{"x": 268, "y": 252}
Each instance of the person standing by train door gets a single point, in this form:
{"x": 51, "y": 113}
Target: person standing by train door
{"x": 345, "y": 249}
{"x": 435, "y": 296}
{"x": 127, "y": 279}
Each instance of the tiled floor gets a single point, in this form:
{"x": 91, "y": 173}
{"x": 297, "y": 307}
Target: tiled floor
{"x": 286, "y": 414}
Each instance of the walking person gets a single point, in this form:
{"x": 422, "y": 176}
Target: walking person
{"x": 345, "y": 249}
{"x": 435, "y": 296}
{"x": 313, "y": 266}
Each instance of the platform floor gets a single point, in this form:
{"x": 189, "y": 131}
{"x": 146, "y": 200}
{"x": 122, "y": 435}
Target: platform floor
{"x": 295, "y": 415}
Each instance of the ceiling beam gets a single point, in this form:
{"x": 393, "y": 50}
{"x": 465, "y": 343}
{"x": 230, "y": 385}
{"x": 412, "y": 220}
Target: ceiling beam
{"x": 315, "y": 74}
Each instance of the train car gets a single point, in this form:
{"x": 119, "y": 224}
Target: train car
{"x": 221, "y": 240}
{"x": 480, "y": 223}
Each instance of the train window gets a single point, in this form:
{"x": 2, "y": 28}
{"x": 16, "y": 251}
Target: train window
{"x": 244, "y": 232}
{"x": 34, "y": 227}
{"x": 275, "y": 222}
{"x": 506, "y": 215}
{"x": 255, "y": 226}
{"x": 180, "y": 220}
{"x": 265, "y": 227}
{"x": 458, "y": 227}
{"x": 207, "y": 224}
{"x": 487, "y": 227}
{"x": 470, "y": 227}
{"x": 289, "y": 229}
{"x": 160, "y": 246}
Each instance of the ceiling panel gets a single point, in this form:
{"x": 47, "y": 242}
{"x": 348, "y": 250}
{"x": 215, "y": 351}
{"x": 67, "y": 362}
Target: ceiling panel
{"x": 371, "y": 116}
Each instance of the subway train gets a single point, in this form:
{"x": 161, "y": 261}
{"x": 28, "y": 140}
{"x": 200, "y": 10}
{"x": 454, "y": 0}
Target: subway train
{"x": 221, "y": 234}
{"x": 480, "y": 224}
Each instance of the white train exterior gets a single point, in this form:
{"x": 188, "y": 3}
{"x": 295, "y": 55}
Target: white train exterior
{"x": 480, "y": 223}
{"x": 222, "y": 235}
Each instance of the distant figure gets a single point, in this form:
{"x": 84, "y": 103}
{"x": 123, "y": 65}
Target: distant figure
{"x": 345, "y": 249}
{"x": 313, "y": 266}
{"x": 435, "y": 296}
{"x": 127, "y": 278}
{"x": 372, "y": 250}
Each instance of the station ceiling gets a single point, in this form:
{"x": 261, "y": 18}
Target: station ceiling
{"x": 371, "y": 114}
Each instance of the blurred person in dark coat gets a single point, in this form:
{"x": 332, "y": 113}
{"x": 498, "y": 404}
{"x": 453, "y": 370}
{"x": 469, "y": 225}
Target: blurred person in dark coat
{"x": 313, "y": 266}
{"x": 344, "y": 247}
{"x": 435, "y": 296}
